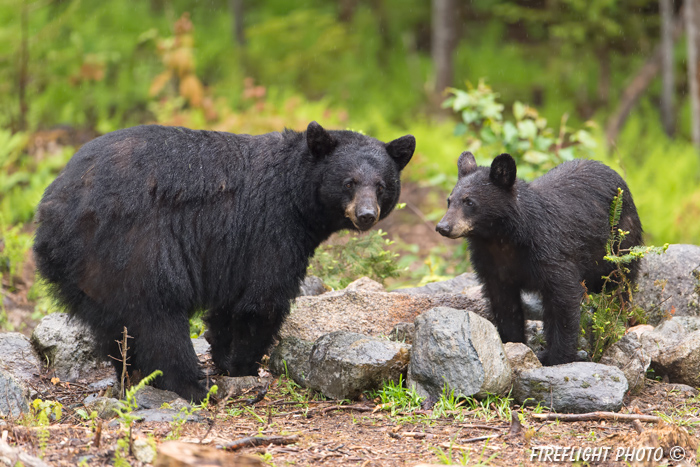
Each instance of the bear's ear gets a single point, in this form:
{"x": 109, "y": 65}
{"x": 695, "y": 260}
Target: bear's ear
{"x": 401, "y": 150}
{"x": 319, "y": 141}
{"x": 503, "y": 171}
{"x": 466, "y": 164}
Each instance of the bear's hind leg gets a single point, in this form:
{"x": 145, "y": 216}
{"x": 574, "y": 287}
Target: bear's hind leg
{"x": 163, "y": 343}
{"x": 240, "y": 339}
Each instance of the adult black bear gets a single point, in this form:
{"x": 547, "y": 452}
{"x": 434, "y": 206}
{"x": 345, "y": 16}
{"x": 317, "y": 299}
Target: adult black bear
{"x": 147, "y": 225}
{"x": 547, "y": 236}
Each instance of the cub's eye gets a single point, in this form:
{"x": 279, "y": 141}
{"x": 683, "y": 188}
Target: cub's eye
{"x": 448, "y": 202}
{"x": 380, "y": 189}
{"x": 349, "y": 184}
{"x": 468, "y": 202}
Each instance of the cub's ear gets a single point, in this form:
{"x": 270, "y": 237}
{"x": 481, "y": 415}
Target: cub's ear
{"x": 503, "y": 171}
{"x": 319, "y": 141}
{"x": 401, "y": 150}
{"x": 466, "y": 164}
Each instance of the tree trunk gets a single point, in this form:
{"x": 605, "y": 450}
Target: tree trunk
{"x": 236, "y": 7}
{"x": 639, "y": 84}
{"x": 692, "y": 17}
{"x": 667, "y": 78}
{"x": 604, "y": 76}
{"x": 444, "y": 13}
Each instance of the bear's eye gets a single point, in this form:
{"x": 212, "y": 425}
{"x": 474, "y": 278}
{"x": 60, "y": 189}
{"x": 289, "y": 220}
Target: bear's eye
{"x": 468, "y": 202}
{"x": 448, "y": 202}
{"x": 349, "y": 184}
{"x": 380, "y": 189}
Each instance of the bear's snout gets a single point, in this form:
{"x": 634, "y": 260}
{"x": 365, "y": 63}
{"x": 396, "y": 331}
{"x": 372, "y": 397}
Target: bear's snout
{"x": 444, "y": 228}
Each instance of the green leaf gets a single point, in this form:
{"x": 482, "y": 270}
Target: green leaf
{"x": 536, "y": 157}
{"x": 519, "y": 110}
{"x": 527, "y": 129}
{"x": 510, "y": 132}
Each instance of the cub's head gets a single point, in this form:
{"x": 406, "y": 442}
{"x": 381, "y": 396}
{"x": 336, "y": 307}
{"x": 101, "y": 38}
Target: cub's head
{"x": 482, "y": 201}
{"x": 360, "y": 176}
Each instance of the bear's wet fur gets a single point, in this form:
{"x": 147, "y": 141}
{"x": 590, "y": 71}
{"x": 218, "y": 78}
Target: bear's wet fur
{"x": 547, "y": 236}
{"x": 147, "y": 225}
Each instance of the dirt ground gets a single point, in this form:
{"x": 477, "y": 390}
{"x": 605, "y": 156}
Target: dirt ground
{"x": 360, "y": 433}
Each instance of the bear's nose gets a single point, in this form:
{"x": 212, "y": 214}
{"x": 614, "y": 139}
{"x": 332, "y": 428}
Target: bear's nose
{"x": 443, "y": 229}
{"x": 366, "y": 218}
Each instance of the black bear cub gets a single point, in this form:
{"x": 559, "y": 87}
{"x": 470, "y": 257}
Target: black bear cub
{"x": 150, "y": 224}
{"x": 546, "y": 236}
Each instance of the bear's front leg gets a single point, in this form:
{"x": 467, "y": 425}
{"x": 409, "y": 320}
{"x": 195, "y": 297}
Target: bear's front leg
{"x": 507, "y": 309}
{"x": 241, "y": 335}
{"x": 562, "y": 315}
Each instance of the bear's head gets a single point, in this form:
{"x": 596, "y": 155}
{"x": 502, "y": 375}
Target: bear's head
{"x": 359, "y": 175}
{"x": 483, "y": 201}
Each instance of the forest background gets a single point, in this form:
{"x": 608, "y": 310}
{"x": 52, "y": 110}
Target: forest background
{"x": 546, "y": 80}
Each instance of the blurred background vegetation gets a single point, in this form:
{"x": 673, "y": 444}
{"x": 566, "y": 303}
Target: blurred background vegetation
{"x": 546, "y": 80}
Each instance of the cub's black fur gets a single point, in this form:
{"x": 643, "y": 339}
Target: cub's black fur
{"x": 547, "y": 236}
{"x": 149, "y": 224}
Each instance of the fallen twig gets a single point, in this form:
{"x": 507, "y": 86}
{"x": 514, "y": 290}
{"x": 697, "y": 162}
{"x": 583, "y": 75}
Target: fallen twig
{"x": 252, "y": 441}
{"x": 359, "y": 408}
{"x": 594, "y": 416}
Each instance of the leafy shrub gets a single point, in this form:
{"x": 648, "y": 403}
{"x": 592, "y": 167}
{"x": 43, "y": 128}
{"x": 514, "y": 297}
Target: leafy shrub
{"x": 607, "y": 314}
{"x": 354, "y": 256}
{"x": 535, "y": 147}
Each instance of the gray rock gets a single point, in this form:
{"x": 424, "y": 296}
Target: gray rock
{"x": 665, "y": 335}
{"x": 344, "y": 364}
{"x": 200, "y": 345}
{"x": 291, "y": 356}
{"x": 17, "y": 356}
{"x": 460, "y": 349}
{"x": 534, "y": 335}
{"x": 456, "y": 285}
{"x": 572, "y": 388}
{"x": 520, "y": 357}
{"x": 532, "y": 306}
{"x": 669, "y": 283}
{"x": 104, "y": 406}
{"x": 14, "y": 399}
{"x": 144, "y": 450}
{"x": 629, "y": 355}
{"x": 164, "y": 415}
{"x": 149, "y": 397}
{"x": 103, "y": 384}
{"x": 366, "y": 284}
{"x": 372, "y": 313}
{"x": 13, "y": 456}
{"x": 681, "y": 363}
{"x": 468, "y": 283}
{"x": 67, "y": 344}
{"x": 230, "y": 386}
{"x": 689, "y": 323}
{"x": 403, "y": 332}
{"x": 312, "y": 285}
{"x": 683, "y": 389}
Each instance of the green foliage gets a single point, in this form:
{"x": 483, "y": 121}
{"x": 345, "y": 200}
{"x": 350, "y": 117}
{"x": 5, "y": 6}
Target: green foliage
{"x": 535, "y": 147}
{"x": 663, "y": 175}
{"x": 607, "y": 314}
{"x": 354, "y": 256}
{"x": 40, "y": 415}
{"x": 178, "y": 423}
{"x": 460, "y": 455}
{"x": 397, "y": 398}
{"x": 126, "y": 419}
